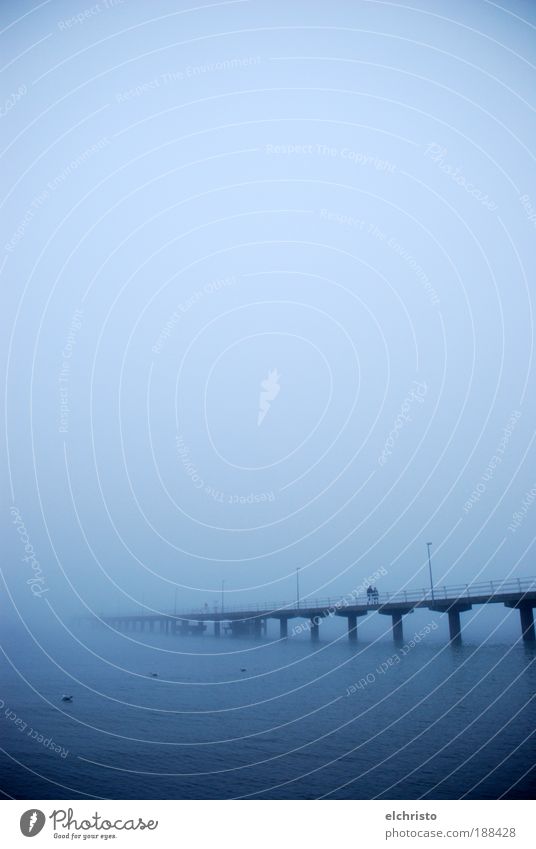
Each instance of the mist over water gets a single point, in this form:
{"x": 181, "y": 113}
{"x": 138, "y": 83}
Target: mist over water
{"x": 237, "y": 718}
{"x": 267, "y": 331}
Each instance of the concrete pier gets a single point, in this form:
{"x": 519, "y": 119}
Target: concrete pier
{"x": 352, "y": 623}
{"x": 527, "y": 622}
{"x": 455, "y": 630}
{"x": 248, "y": 620}
{"x": 396, "y": 615}
{"x": 454, "y": 609}
{"x": 398, "y": 631}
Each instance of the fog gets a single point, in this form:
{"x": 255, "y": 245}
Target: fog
{"x": 267, "y": 304}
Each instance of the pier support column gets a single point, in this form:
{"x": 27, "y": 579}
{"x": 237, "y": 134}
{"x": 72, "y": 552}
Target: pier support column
{"x": 283, "y": 627}
{"x": 257, "y": 627}
{"x": 527, "y": 622}
{"x": 455, "y": 629}
{"x": 315, "y": 631}
{"x": 396, "y": 614}
{"x": 454, "y": 608}
{"x": 151, "y": 624}
{"x": 398, "y": 632}
{"x": 217, "y": 629}
{"x": 352, "y": 628}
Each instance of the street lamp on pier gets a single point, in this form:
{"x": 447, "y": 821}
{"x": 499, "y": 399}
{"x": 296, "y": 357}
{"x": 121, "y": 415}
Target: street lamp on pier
{"x": 428, "y": 546}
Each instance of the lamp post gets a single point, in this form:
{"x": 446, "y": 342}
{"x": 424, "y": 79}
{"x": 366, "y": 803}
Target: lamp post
{"x": 222, "y": 586}
{"x": 297, "y": 586}
{"x": 428, "y": 544}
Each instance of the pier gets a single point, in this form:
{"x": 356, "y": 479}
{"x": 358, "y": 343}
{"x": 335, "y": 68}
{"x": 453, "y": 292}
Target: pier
{"x": 252, "y": 619}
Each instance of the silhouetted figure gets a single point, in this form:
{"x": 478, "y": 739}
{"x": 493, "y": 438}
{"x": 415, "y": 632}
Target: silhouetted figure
{"x": 375, "y": 595}
{"x": 370, "y": 593}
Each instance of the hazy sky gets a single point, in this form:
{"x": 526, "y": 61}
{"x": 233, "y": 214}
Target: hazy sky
{"x": 267, "y": 297}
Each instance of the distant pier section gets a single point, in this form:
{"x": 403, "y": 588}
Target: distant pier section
{"x": 252, "y": 620}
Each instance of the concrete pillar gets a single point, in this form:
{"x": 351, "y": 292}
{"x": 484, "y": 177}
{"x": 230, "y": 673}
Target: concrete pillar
{"x": 527, "y": 622}
{"x": 352, "y": 628}
{"x": 283, "y": 627}
{"x": 217, "y": 629}
{"x": 264, "y": 626}
{"x": 257, "y": 627}
{"x": 151, "y": 624}
{"x": 398, "y": 633}
{"x": 315, "y": 621}
{"x": 455, "y": 630}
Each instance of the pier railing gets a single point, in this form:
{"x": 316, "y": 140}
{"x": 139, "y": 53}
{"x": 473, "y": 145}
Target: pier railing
{"x": 440, "y": 593}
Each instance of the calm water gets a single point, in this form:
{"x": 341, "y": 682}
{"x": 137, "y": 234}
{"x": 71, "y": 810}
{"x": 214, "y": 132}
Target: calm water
{"x": 439, "y": 721}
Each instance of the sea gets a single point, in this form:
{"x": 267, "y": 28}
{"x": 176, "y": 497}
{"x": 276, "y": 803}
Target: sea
{"x": 155, "y": 716}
